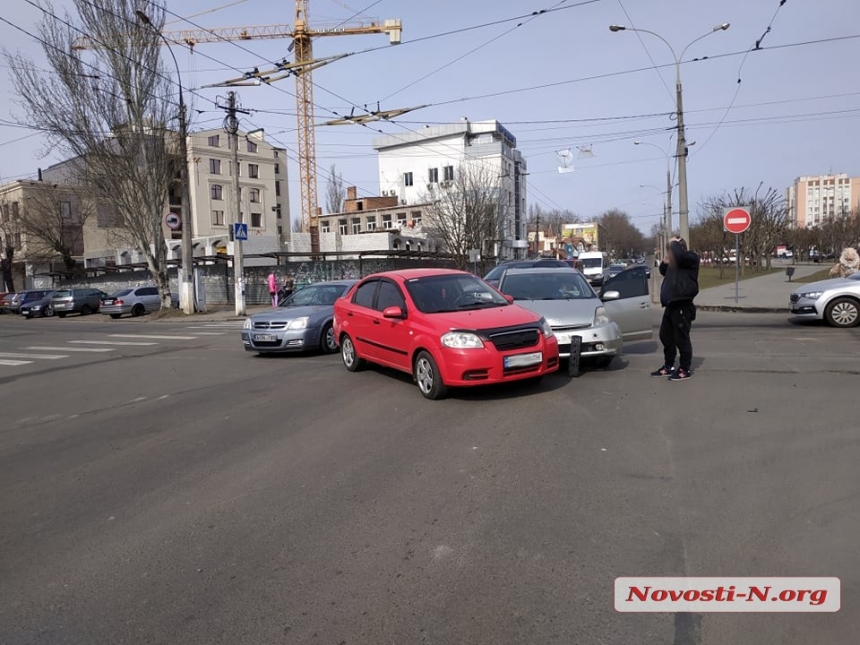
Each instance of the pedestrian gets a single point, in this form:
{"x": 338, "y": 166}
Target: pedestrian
{"x": 680, "y": 271}
{"x": 273, "y": 288}
{"x": 289, "y": 285}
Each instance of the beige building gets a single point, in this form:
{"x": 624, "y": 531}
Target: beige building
{"x": 812, "y": 200}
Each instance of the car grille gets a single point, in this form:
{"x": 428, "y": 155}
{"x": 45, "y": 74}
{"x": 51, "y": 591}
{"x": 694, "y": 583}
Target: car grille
{"x": 515, "y": 339}
{"x": 270, "y": 325}
{"x": 563, "y": 328}
{"x": 795, "y": 297}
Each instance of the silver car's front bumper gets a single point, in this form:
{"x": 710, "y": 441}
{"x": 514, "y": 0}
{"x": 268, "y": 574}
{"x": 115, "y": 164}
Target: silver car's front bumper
{"x": 602, "y": 340}
{"x": 806, "y": 308}
{"x": 290, "y": 340}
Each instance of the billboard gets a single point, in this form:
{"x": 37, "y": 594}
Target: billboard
{"x": 588, "y": 233}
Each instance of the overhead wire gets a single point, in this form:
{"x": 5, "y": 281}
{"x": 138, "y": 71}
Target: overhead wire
{"x": 647, "y": 51}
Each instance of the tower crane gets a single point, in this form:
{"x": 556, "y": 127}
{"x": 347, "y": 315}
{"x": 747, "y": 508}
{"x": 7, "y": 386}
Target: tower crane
{"x": 302, "y": 35}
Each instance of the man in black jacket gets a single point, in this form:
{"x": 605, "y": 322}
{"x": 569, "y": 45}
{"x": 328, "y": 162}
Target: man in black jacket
{"x": 680, "y": 271}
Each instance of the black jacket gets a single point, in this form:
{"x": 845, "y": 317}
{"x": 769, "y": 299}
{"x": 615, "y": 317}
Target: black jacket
{"x": 680, "y": 282}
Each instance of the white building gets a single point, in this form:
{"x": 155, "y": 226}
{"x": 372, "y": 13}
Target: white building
{"x": 813, "y": 200}
{"x": 413, "y": 164}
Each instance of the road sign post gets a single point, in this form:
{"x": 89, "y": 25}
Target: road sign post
{"x": 737, "y": 220}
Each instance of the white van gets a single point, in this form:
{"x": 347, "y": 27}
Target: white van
{"x": 594, "y": 266}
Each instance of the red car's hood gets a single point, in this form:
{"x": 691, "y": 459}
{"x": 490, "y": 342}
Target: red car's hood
{"x": 490, "y": 318}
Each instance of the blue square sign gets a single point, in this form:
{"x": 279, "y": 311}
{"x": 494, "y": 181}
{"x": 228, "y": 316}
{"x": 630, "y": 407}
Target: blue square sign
{"x": 240, "y": 232}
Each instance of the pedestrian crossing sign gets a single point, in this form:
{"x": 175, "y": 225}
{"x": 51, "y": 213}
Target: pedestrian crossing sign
{"x": 240, "y": 232}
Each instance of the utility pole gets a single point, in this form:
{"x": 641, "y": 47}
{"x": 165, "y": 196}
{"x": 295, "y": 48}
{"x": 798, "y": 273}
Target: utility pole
{"x": 537, "y": 233}
{"x": 231, "y": 126}
{"x": 683, "y": 206}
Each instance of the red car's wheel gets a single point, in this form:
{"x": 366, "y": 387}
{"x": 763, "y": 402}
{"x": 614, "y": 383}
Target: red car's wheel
{"x": 351, "y": 360}
{"x": 426, "y": 375}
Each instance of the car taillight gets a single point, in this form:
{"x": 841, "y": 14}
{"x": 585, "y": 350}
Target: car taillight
{"x": 118, "y": 302}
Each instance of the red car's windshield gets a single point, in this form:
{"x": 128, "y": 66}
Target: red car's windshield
{"x": 456, "y": 292}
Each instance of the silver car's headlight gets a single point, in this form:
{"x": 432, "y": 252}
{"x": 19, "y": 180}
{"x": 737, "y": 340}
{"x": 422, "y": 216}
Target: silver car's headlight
{"x": 299, "y": 323}
{"x": 545, "y": 327}
{"x": 462, "y": 340}
{"x": 812, "y": 295}
{"x": 248, "y": 324}
{"x": 601, "y": 317}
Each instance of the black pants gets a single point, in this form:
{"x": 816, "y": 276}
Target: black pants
{"x": 675, "y": 334}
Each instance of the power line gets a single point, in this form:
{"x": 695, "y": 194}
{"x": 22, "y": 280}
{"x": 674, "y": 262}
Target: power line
{"x": 647, "y": 52}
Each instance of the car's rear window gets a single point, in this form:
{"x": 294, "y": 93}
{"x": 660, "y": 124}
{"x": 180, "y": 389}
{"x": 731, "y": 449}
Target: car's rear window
{"x": 119, "y": 294}
{"x": 63, "y": 294}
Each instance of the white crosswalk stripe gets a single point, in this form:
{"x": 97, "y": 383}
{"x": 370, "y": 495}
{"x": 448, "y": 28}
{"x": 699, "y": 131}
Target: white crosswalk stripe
{"x": 14, "y": 363}
{"x": 72, "y": 349}
{"x": 122, "y": 343}
{"x": 48, "y": 357}
{"x": 154, "y": 337}
{"x": 209, "y": 333}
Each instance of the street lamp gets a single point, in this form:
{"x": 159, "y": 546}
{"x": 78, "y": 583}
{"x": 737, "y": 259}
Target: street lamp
{"x": 186, "y": 284}
{"x": 684, "y": 214}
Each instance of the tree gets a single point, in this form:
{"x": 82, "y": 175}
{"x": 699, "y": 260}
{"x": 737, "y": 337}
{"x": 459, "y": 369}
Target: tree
{"x": 111, "y": 112}
{"x": 10, "y": 242}
{"x": 617, "y": 234}
{"x": 464, "y": 215}
{"x": 52, "y": 222}
{"x": 335, "y": 192}
{"x": 551, "y": 222}
{"x": 297, "y": 225}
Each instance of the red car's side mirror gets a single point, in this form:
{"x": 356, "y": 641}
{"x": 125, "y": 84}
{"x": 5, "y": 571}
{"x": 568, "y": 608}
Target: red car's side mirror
{"x": 510, "y": 299}
{"x": 395, "y": 313}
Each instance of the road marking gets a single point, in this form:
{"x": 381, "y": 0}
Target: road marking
{"x": 14, "y": 363}
{"x": 50, "y": 357}
{"x": 209, "y": 333}
{"x": 72, "y": 349}
{"x": 153, "y": 337}
{"x": 111, "y": 342}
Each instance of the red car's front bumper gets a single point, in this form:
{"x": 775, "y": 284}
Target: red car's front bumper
{"x": 468, "y": 367}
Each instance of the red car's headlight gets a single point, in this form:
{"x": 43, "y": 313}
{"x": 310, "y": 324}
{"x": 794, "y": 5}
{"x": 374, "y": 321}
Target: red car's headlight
{"x": 462, "y": 340}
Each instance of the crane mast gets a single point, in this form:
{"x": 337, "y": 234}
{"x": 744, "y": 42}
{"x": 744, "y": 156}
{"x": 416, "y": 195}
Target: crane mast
{"x": 303, "y": 49}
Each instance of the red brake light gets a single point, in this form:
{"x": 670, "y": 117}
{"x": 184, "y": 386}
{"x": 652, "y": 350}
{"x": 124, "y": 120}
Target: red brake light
{"x": 118, "y": 302}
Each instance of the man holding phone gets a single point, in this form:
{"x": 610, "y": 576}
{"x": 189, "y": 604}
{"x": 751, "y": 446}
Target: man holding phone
{"x": 680, "y": 271}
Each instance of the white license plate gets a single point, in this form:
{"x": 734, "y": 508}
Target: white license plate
{"x": 107, "y": 302}
{"x": 523, "y": 360}
{"x": 264, "y": 338}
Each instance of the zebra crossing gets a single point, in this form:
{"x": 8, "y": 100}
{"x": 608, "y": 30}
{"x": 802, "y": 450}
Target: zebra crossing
{"x": 107, "y": 343}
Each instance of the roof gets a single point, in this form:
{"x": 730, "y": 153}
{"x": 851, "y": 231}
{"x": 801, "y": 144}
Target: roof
{"x": 411, "y": 274}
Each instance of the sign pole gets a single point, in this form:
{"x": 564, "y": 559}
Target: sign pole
{"x": 737, "y": 266}
{"x": 737, "y": 220}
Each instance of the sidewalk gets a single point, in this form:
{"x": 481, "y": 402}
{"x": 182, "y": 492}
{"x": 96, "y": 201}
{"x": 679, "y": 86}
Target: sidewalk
{"x": 214, "y": 314}
{"x": 765, "y": 293}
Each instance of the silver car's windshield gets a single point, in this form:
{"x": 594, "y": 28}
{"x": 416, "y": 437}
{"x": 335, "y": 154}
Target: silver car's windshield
{"x": 535, "y": 285}
{"x": 316, "y": 294}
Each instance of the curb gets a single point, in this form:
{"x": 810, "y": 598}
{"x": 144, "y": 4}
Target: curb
{"x": 743, "y": 310}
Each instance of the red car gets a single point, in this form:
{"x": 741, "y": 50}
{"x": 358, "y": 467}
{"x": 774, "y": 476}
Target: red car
{"x": 446, "y": 328}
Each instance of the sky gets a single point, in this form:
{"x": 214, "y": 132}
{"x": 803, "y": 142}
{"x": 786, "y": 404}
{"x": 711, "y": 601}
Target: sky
{"x": 558, "y": 80}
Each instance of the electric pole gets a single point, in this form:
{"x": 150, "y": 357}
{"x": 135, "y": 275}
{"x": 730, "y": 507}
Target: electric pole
{"x": 231, "y": 126}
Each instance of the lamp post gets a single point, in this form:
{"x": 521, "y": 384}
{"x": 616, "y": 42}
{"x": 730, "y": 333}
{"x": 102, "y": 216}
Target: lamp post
{"x": 186, "y": 283}
{"x": 684, "y": 210}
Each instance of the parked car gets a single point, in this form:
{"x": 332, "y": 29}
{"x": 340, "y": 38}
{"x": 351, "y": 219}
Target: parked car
{"x": 498, "y": 271}
{"x": 81, "y": 301}
{"x": 38, "y": 308}
{"x": 136, "y": 301}
{"x": 615, "y": 269}
{"x": 837, "y": 301}
{"x": 303, "y": 322}
{"x": 446, "y": 328}
{"x": 570, "y": 306}
{"x": 6, "y": 301}
{"x": 595, "y": 266}
{"x": 25, "y": 297}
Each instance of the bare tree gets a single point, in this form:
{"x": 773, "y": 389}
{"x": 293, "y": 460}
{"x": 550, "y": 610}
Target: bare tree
{"x": 297, "y": 225}
{"x": 53, "y": 222}
{"x": 551, "y": 222}
{"x": 464, "y": 215}
{"x": 618, "y": 234}
{"x": 113, "y": 111}
{"x": 10, "y": 242}
{"x": 335, "y": 192}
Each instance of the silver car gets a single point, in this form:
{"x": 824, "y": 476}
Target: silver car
{"x": 135, "y": 301}
{"x": 837, "y": 301}
{"x": 303, "y": 322}
{"x": 621, "y": 313}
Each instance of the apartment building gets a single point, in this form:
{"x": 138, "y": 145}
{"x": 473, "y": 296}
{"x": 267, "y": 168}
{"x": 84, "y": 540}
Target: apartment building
{"x": 370, "y": 214}
{"x": 414, "y": 164}
{"x": 812, "y": 200}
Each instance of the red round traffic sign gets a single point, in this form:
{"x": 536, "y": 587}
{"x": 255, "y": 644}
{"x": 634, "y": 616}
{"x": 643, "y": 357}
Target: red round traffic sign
{"x": 173, "y": 221}
{"x": 737, "y": 220}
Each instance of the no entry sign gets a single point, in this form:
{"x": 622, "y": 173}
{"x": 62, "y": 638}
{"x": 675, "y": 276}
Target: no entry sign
{"x": 737, "y": 220}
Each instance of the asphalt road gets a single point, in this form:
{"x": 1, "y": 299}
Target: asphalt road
{"x": 187, "y": 492}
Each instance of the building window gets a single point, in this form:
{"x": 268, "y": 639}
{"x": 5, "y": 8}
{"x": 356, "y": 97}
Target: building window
{"x": 416, "y": 217}
{"x": 253, "y": 171}
{"x": 278, "y": 210}
{"x": 252, "y": 147}
{"x": 218, "y": 218}
{"x": 407, "y": 179}
{"x": 448, "y": 173}
{"x": 386, "y": 221}
{"x": 371, "y": 223}
{"x": 217, "y": 192}
{"x": 341, "y": 226}
{"x": 277, "y": 167}
{"x": 254, "y": 195}
{"x": 214, "y": 166}
{"x": 356, "y": 225}
{"x": 277, "y": 189}
{"x": 359, "y": 206}
{"x": 16, "y": 214}
{"x": 257, "y": 220}
{"x": 65, "y": 210}
{"x": 401, "y": 220}
{"x": 326, "y": 227}
{"x": 215, "y": 141}
{"x": 280, "y": 230}
{"x": 433, "y": 176}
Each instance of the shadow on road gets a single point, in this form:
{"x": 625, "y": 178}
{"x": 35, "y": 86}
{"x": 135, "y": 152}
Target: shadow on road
{"x": 642, "y": 348}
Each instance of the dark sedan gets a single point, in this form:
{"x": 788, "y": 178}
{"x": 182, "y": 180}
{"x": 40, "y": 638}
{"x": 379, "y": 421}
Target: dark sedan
{"x": 303, "y": 322}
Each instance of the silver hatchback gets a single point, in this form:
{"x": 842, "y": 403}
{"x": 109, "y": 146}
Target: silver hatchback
{"x": 81, "y": 301}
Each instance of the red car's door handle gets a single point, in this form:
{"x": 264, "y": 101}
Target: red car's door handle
{"x": 349, "y": 313}
{"x": 375, "y": 322}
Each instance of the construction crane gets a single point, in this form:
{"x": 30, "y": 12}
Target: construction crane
{"x": 302, "y": 35}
